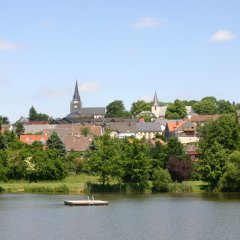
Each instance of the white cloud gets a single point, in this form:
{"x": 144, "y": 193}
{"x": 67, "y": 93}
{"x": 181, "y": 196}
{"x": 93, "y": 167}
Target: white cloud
{"x": 90, "y": 87}
{"x": 148, "y": 22}
{"x": 222, "y": 35}
{"x": 5, "y": 45}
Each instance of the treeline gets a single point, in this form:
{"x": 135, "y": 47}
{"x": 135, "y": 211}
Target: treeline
{"x": 175, "y": 110}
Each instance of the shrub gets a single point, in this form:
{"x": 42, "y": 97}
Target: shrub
{"x": 161, "y": 180}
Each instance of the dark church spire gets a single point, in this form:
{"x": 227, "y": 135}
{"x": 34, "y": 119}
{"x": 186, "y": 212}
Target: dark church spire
{"x": 76, "y": 104}
{"x": 76, "y": 95}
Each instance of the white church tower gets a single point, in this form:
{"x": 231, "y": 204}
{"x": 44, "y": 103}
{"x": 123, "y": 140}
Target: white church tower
{"x": 156, "y": 106}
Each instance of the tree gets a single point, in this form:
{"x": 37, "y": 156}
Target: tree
{"x": 230, "y": 180}
{"x": 33, "y": 115}
{"x": 19, "y": 128}
{"x": 179, "y": 169}
{"x": 175, "y": 148}
{"x": 212, "y": 164}
{"x": 3, "y": 120}
{"x": 85, "y": 131}
{"x": 116, "y": 109}
{"x": 55, "y": 143}
{"x": 177, "y": 110}
{"x": 161, "y": 180}
{"x": 207, "y": 105}
{"x": 139, "y": 106}
{"x": 224, "y": 130}
{"x": 225, "y": 107}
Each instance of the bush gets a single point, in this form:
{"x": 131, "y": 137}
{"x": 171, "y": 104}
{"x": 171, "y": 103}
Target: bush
{"x": 161, "y": 180}
{"x": 1, "y": 189}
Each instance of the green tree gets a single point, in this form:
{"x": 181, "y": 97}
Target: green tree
{"x": 140, "y": 106}
{"x": 177, "y": 110}
{"x": 224, "y": 130}
{"x": 55, "y": 143}
{"x": 19, "y": 128}
{"x": 116, "y": 109}
{"x": 207, "y": 105}
{"x": 230, "y": 180}
{"x": 225, "y": 107}
{"x": 85, "y": 131}
{"x": 33, "y": 115}
{"x": 161, "y": 180}
{"x": 212, "y": 164}
{"x": 3, "y": 120}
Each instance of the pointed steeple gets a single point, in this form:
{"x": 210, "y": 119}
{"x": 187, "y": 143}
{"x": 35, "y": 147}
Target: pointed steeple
{"x": 76, "y": 95}
{"x": 155, "y": 100}
{"x": 76, "y": 104}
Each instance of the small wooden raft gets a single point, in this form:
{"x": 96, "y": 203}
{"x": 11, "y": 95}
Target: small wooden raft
{"x": 85, "y": 203}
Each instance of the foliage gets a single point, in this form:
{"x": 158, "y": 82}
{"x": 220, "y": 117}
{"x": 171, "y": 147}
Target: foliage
{"x": 35, "y": 116}
{"x": 140, "y": 106}
{"x": 179, "y": 169}
{"x": 3, "y": 120}
{"x": 176, "y": 148}
{"x": 161, "y": 180}
{"x": 116, "y": 109}
{"x": 224, "y": 130}
{"x": 19, "y": 128}
{"x": 55, "y": 143}
{"x": 177, "y": 110}
{"x": 230, "y": 180}
{"x": 212, "y": 164}
{"x": 85, "y": 131}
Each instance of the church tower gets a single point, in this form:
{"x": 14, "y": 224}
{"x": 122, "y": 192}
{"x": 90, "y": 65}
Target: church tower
{"x": 76, "y": 104}
{"x": 156, "y": 106}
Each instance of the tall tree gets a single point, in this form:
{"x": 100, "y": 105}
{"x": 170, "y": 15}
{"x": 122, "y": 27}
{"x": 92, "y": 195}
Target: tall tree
{"x": 224, "y": 130}
{"x": 177, "y": 110}
{"x": 55, "y": 143}
{"x": 19, "y": 128}
{"x": 33, "y": 115}
{"x": 116, "y": 109}
{"x": 207, "y": 105}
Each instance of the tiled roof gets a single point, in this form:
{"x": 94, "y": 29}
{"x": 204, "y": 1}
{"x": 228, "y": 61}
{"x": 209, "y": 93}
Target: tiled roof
{"x": 172, "y": 126}
{"x": 29, "y": 139}
{"x": 149, "y": 127}
{"x": 77, "y": 143}
{"x": 94, "y": 111}
{"x": 203, "y": 118}
{"x": 122, "y": 127}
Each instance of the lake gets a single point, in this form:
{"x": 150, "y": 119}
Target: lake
{"x": 140, "y": 217}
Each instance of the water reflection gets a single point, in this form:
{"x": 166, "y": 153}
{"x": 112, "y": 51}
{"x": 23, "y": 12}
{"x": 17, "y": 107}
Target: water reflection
{"x": 159, "y": 216}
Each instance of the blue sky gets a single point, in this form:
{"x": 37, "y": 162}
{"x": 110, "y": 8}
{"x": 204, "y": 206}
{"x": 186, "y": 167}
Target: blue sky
{"x": 123, "y": 50}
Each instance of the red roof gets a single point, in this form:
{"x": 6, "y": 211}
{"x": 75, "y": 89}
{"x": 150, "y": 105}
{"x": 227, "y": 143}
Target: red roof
{"x": 172, "y": 126}
{"x": 29, "y": 139}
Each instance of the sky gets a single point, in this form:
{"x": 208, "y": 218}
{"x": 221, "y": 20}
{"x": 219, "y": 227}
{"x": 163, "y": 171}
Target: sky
{"x": 116, "y": 50}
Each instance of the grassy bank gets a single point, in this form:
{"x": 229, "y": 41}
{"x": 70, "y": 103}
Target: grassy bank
{"x": 71, "y": 184}
{"x": 77, "y": 184}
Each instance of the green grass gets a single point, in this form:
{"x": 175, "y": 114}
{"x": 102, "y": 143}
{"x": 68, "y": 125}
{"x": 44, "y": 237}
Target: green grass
{"x": 77, "y": 184}
{"x": 71, "y": 184}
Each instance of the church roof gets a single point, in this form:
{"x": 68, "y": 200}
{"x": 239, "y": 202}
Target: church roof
{"x": 94, "y": 111}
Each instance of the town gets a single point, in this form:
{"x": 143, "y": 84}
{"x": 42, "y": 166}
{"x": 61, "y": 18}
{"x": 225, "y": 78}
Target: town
{"x": 172, "y": 138}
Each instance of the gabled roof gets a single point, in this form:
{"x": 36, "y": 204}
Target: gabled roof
{"x": 149, "y": 127}
{"x": 172, "y": 126}
{"x": 94, "y": 111}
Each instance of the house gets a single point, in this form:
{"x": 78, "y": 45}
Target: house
{"x": 148, "y": 130}
{"x": 29, "y": 139}
{"x": 192, "y": 152}
{"x": 121, "y": 129}
{"x": 184, "y": 130}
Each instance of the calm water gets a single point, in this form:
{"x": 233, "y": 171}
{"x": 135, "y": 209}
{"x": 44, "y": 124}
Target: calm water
{"x": 167, "y": 217}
